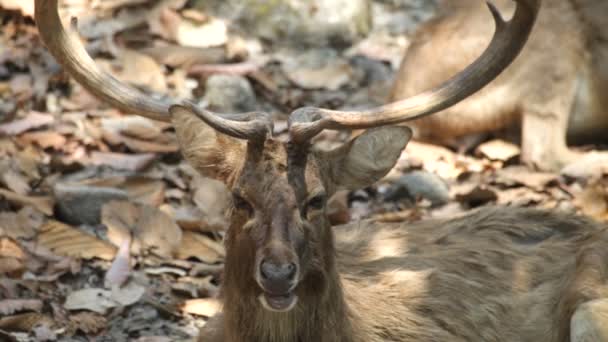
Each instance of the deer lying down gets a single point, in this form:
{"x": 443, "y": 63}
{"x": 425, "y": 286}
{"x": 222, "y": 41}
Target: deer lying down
{"x": 498, "y": 274}
{"x": 555, "y": 89}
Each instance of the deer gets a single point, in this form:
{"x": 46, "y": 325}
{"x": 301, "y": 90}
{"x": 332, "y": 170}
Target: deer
{"x": 494, "y": 274}
{"x": 554, "y": 91}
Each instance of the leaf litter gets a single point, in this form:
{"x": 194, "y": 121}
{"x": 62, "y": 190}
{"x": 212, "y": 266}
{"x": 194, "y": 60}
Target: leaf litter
{"x": 106, "y": 234}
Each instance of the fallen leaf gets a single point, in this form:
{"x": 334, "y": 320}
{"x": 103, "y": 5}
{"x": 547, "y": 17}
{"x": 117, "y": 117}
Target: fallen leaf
{"x": 593, "y": 200}
{"x": 152, "y": 230}
{"x": 207, "y": 307}
{"x": 15, "y": 181}
{"x": 122, "y": 161}
{"x": 69, "y": 241}
{"x": 42, "y": 203}
{"x": 44, "y": 139}
{"x": 31, "y": 121}
{"x": 26, "y": 7}
{"x": 498, "y": 150}
{"x": 101, "y": 300}
{"x": 211, "y": 33}
{"x": 23, "y": 322}
{"x": 87, "y": 322}
{"x": 201, "y": 247}
{"x": 11, "y": 306}
{"x": 119, "y": 271}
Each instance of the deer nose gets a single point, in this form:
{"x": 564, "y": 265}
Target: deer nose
{"x": 277, "y": 272}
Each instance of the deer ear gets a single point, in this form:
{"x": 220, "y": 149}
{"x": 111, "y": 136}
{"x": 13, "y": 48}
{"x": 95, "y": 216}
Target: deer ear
{"x": 366, "y": 158}
{"x": 212, "y": 154}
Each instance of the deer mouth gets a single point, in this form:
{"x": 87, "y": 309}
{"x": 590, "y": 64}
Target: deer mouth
{"x": 278, "y": 303}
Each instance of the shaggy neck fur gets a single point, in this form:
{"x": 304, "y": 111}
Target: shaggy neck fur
{"x": 321, "y": 314}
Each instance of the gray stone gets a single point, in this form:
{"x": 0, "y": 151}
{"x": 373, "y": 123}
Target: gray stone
{"x": 229, "y": 94}
{"x": 311, "y": 22}
{"x": 81, "y": 204}
{"x": 419, "y": 184}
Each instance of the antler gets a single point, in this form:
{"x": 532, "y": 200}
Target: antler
{"x": 508, "y": 40}
{"x": 69, "y": 52}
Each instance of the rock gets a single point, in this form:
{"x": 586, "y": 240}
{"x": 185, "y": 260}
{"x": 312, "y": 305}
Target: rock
{"x": 230, "y": 94}
{"x": 419, "y": 184}
{"x": 312, "y": 22}
{"x": 81, "y": 204}
{"x": 318, "y": 69}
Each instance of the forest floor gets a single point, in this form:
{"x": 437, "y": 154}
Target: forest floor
{"x": 106, "y": 234}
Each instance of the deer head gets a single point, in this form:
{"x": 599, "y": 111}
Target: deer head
{"x": 279, "y": 243}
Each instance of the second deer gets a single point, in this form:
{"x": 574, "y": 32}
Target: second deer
{"x": 555, "y": 91}
{"x": 498, "y": 274}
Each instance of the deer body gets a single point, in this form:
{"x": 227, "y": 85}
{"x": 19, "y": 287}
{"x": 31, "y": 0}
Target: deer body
{"x": 500, "y": 274}
{"x": 495, "y": 275}
{"x": 555, "y": 89}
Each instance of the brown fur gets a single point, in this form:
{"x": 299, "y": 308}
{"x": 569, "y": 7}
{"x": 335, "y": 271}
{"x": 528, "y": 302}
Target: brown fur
{"x": 554, "y": 88}
{"x": 498, "y": 274}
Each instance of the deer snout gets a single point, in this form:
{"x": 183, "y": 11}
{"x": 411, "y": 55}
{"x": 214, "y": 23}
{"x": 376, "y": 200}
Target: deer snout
{"x": 277, "y": 277}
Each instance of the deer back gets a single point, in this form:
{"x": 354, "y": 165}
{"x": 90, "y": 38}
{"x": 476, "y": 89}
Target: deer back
{"x": 564, "y": 58}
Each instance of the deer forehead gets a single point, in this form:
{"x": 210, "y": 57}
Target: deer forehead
{"x": 267, "y": 176}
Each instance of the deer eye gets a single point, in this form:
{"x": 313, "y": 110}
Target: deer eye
{"x": 317, "y": 202}
{"x": 241, "y": 204}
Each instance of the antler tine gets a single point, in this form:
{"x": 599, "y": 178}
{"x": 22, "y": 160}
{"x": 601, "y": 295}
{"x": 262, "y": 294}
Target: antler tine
{"x": 65, "y": 46}
{"x": 507, "y": 42}
{"x": 252, "y": 126}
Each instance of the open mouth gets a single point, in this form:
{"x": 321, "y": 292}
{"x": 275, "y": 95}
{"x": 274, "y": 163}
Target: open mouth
{"x": 278, "y": 303}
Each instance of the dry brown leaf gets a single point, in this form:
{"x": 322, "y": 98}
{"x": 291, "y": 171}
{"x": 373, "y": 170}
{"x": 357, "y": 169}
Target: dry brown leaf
{"x": 152, "y": 230}
{"x": 15, "y": 181}
{"x": 23, "y": 224}
{"x": 69, "y": 241}
{"x": 44, "y": 139}
{"x": 119, "y": 271}
{"x": 140, "y": 70}
{"x": 24, "y": 322}
{"x": 31, "y": 121}
{"x": 87, "y": 322}
{"x": 203, "y": 306}
{"x": 26, "y": 7}
{"x": 11, "y": 306}
{"x": 185, "y": 56}
{"x": 42, "y": 203}
{"x": 201, "y": 247}
{"x": 122, "y": 161}
{"x": 12, "y": 256}
{"x": 593, "y": 200}
{"x": 100, "y": 300}
{"x": 498, "y": 150}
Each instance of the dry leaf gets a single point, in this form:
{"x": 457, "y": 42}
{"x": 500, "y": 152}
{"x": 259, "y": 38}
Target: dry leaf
{"x": 23, "y": 224}
{"x": 11, "y": 306}
{"x": 152, "y": 230}
{"x": 69, "y": 241}
{"x": 12, "y": 256}
{"x": 23, "y": 322}
{"x": 100, "y": 300}
{"x": 31, "y": 121}
{"x": 44, "y": 139}
{"x": 201, "y": 247}
{"x": 87, "y": 322}
{"x": 207, "y": 307}
{"x": 498, "y": 150}
{"x": 15, "y": 181}
{"x": 26, "y": 7}
{"x": 120, "y": 269}
{"x": 42, "y": 203}
{"x": 122, "y": 161}
{"x": 593, "y": 200}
